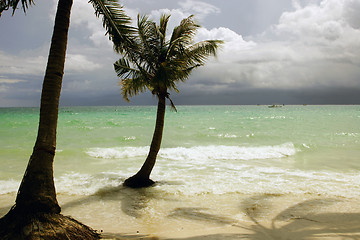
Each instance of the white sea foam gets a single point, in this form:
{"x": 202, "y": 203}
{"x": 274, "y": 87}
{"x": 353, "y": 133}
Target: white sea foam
{"x": 226, "y": 135}
{"x": 254, "y": 180}
{"x": 130, "y": 138}
{"x": 214, "y": 177}
{"x": 228, "y": 152}
{"x": 214, "y": 152}
{"x": 221, "y": 169}
{"x": 208, "y": 169}
{"x": 85, "y": 184}
{"x": 202, "y": 179}
{"x": 347, "y": 134}
{"x": 305, "y": 145}
{"x": 8, "y": 186}
{"x": 119, "y": 152}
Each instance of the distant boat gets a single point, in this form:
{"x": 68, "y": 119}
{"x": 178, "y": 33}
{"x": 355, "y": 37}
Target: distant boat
{"x": 275, "y": 106}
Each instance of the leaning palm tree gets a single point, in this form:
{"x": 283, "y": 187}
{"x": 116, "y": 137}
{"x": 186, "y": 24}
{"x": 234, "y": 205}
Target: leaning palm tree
{"x": 155, "y": 63}
{"x": 36, "y": 213}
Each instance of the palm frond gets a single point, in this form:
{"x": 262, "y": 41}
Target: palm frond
{"x": 123, "y": 69}
{"x": 145, "y": 35}
{"x": 182, "y": 36}
{"x": 149, "y": 38}
{"x": 186, "y": 30}
{"x": 116, "y": 23}
{"x": 181, "y": 65}
{"x": 143, "y": 26}
{"x": 171, "y": 102}
{"x": 164, "y": 20}
{"x": 180, "y": 73}
{"x": 6, "y": 4}
{"x": 132, "y": 86}
{"x": 198, "y": 53}
{"x": 132, "y": 80}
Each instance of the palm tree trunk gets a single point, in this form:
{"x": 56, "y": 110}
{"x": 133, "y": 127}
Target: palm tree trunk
{"x": 142, "y": 177}
{"x": 37, "y": 190}
{"x": 36, "y": 212}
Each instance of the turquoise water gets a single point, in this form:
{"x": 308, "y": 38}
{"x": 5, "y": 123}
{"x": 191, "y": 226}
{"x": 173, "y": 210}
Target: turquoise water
{"x": 205, "y": 149}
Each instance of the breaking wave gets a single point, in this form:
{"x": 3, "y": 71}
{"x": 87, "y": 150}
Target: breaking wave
{"x": 220, "y": 152}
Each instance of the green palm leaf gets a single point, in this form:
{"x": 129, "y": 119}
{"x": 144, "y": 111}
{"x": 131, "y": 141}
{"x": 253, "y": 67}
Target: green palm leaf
{"x": 198, "y": 53}
{"x": 164, "y": 20}
{"x": 132, "y": 86}
{"x": 116, "y": 23}
{"x": 123, "y": 69}
{"x": 6, "y": 4}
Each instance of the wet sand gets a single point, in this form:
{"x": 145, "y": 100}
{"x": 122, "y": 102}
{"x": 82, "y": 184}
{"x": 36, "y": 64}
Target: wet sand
{"x": 121, "y": 213}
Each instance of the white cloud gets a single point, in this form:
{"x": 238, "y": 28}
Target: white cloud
{"x": 82, "y": 14}
{"x": 176, "y": 16}
{"x": 330, "y": 20}
{"x": 351, "y": 13}
{"x": 28, "y": 64}
{"x": 296, "y": 4}
{"x": 313, "y": 21}
{"x": 327, "y": 30}
{"x": 4, "y": 83}
{"x": 23, "y": 64}
{"x": 233, "y": 42}
{"x": 199, "y": 9}
{"x": 10, "y": 81}
{"x": 80, "y": 63}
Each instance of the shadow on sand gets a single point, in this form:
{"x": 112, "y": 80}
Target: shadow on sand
{"x": 302, "y": 221}
{"x": 298, "y": 222}
{"x": 132, "y": 201}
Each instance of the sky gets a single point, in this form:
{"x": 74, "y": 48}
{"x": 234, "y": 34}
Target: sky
{"x": 275, "y": 52}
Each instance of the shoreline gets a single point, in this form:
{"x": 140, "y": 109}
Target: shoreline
{"x": 151, "y": 214}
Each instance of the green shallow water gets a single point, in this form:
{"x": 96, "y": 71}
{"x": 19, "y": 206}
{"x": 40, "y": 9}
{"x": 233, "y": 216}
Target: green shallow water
{"x": 237, "y": 148}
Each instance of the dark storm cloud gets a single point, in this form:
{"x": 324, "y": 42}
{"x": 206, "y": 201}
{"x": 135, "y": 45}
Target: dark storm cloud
{"x": 271, "y": 96}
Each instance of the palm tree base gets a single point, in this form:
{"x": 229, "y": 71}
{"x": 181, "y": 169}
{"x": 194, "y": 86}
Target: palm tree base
{"x": 138, "y": 182}
{"x": 47, "y": 226}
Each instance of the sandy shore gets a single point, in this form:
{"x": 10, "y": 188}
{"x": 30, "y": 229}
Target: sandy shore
{"x": 152, "y": 214}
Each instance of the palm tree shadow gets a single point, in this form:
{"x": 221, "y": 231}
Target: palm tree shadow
{"x": 132, "y": 201}
{"x": 302, "y": 220}
{"x": 200, "y": 214}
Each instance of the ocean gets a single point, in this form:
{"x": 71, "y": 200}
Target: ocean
{"x": 207, "y": 151}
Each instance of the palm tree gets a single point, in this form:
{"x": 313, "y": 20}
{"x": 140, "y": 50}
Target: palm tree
{"x": 153, "y": 62}
{"x": 36, "y": 213}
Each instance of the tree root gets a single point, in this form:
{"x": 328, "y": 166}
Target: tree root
{"x": 45, "y": 226}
